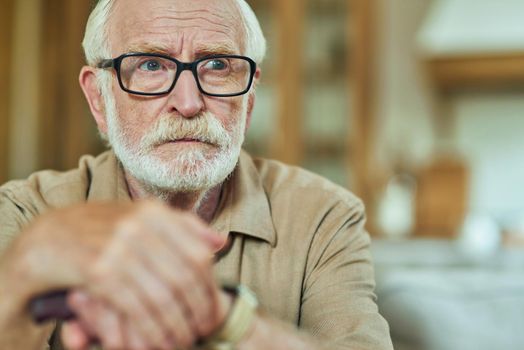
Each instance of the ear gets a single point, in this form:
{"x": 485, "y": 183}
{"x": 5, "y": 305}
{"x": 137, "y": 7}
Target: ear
{"x": 93, "y": 96}
{"x": 251, "y": 98}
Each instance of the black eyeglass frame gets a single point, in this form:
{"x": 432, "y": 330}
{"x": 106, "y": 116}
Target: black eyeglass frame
{"x": 116, "y": 63}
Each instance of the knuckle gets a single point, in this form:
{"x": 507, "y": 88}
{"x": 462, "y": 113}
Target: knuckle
{"x": 163, "y": 300}
{"x": 200, "y": 257}
{"x": 138, "y": 346}
{"x": 187, "y": 282}
{"x": 184, "y": 338}
{"x": 150, "y": 329}
{"x": 133, "y": 310}
{"x": 186, "y": 342}
{"x": 128, "y": 228}
{"x": 192, "y": 218}
{"x": 98, "y": 275}
{"x": 151, "y": 208}
{"x": 112, "y": 343}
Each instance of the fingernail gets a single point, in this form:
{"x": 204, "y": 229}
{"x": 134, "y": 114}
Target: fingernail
{"x": 78, "y": 298}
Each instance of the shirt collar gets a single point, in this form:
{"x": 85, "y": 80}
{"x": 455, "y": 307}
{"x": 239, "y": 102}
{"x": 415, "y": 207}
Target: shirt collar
{"x": 244, "y": 207}
{"x": 108, "y": 182}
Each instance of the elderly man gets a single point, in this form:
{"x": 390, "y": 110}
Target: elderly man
{"x": 176, "y": 238}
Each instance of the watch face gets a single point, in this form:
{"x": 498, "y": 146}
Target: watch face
{"x": 239, "y": 320}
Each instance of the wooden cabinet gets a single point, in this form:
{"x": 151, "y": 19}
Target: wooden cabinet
{"x": 314, "y": 104}
{"x": 6, "y": 14}
{"x": 67, "y": 129}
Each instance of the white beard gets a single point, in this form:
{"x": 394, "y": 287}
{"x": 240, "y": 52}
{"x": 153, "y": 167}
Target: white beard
{"x": 197, "y": 169}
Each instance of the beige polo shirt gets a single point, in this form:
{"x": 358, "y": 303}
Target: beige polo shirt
{"x": 298, "y": 240}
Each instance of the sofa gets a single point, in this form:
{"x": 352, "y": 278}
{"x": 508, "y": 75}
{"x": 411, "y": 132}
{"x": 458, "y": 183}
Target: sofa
{"x": 437, "y": 296}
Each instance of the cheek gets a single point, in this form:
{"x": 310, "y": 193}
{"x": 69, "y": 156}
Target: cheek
{"x": 229, "y": 111}
{"x": 136, "y": 114}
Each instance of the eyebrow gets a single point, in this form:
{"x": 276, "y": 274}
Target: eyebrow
{"x": 201, "y": 50}
{"x": 216, "y": 49}
{"x": 149, "y": 48}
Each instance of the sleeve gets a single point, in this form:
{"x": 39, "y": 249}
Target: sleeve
{"x": 338, "y": 300}
{"x": 17, "y": 210}
{"x": 14, "y": 215}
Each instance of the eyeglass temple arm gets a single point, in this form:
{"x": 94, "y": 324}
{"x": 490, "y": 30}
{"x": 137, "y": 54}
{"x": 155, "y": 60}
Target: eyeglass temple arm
{"x": 106, "y": 64}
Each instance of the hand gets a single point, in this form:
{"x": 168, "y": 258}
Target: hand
{"x": 97, "y": 320}
{"x": 150, "y": 264}
{"x": 166, "y": 287}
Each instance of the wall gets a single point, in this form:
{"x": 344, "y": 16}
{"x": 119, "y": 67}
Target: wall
{"x": 24, "y": 88}
{"x": 489, "y": 131}
{"x": 486, "y": 127}
{"x": 405, "y": 103}
{"x": 47, "y": 122}
{"x": 455, "y": 27}
{"x": 6, "y": 8}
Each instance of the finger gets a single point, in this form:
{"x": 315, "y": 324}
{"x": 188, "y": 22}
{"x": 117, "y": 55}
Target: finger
{"x": 139, "y": 275}
{"x": 184, "y": 263}
{"x": 165, "y": 306}
{"x": 197, "y": 298}
{"x": 101, "y": 321}
{"x": 191, "y": 282}
{"x": 127, "y": 333}
{"x": 125, "y": 290}
{"x": 159, "y": 215}
{"x": 204, "y": 231}
{"x": 130, "y": 303}
{"x": 74, "y": 337}
{"x": 111, "y": 284}
{"x": 132, "y": 339}
{"x": 212, "y": 237}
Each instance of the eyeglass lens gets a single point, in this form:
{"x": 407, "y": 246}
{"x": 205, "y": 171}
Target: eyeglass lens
{"x": 150, "y": 74}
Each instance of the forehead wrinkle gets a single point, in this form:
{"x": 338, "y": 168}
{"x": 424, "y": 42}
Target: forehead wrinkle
{"x": 229, "y": 45}
{"x": 160, "y": 48}
{"x": 160, "y": 20}
{"x": 224, "y": 17}
{"x": 221, "y": 14}
{"x": 185, "y": 19}
{"x": 162, "y": 30}
{"x": 218, "y": 18}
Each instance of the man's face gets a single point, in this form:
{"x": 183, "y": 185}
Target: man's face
{"x": 183, "y": 141}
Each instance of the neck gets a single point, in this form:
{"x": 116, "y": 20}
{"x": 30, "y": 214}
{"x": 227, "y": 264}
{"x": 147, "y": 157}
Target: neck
{"x": 203, "y": 203}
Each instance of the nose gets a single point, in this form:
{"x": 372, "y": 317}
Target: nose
{"x": 186, "y": 99}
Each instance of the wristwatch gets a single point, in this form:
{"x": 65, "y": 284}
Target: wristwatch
{"x": 239, "y": 320}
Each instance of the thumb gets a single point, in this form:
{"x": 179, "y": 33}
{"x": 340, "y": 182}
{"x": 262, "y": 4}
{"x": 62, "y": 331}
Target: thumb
{"x": 74, "y": 337}
{"x": 215, "y": 240}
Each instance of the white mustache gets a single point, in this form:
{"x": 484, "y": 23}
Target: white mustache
{"x": 204, "y": 128}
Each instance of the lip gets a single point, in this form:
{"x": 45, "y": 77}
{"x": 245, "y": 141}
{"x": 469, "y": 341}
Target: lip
{"x": 187, "y": 141}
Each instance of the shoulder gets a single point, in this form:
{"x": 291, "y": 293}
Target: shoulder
{"x": 293, "y": 183}
{"x": 50, "y": 188}
{"x": 23, "y": 200}
{"x": 304, "y": 204}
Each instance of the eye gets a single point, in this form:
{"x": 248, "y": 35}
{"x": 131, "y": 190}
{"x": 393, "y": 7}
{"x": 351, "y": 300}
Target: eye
{"x": 151, "y": 65}
{"x": 216, "y": 64}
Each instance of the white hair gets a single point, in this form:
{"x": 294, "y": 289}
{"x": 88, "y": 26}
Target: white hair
{"x": 191, "y": 171}
{"x": 255, "y": 44}
{"x": 96, "y": 40}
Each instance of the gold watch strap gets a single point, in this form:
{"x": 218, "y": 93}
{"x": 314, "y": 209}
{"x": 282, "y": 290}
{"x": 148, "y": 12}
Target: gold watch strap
{"x": 239, "y": 320}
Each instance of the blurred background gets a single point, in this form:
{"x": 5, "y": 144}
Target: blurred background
{"x": 417, "y": 106}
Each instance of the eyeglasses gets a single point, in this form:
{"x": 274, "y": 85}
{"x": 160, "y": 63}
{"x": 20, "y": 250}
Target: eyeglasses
{"x": 150, "y": 74}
